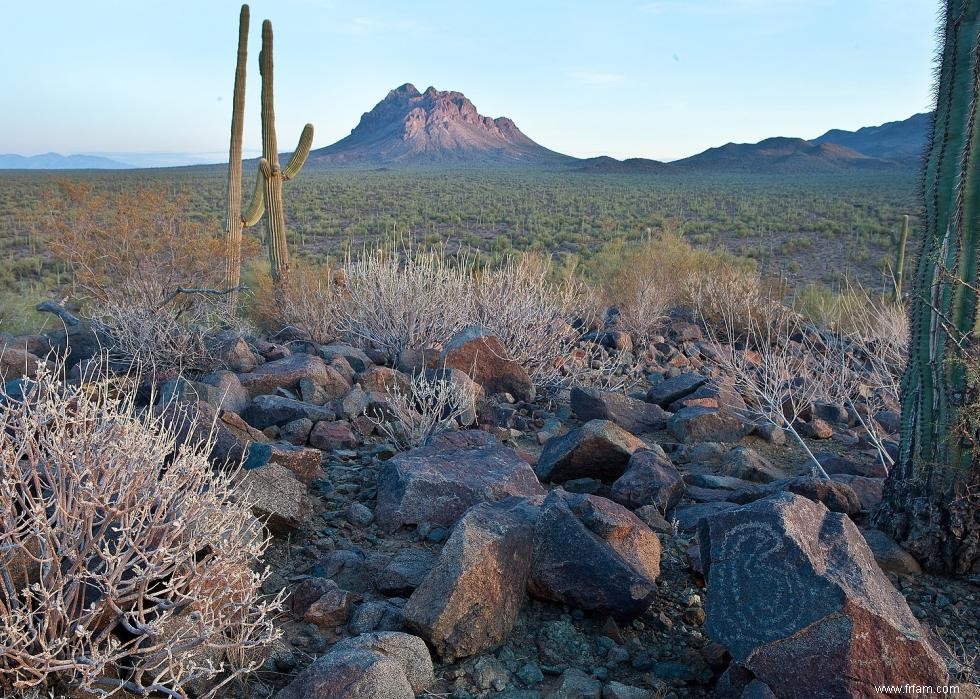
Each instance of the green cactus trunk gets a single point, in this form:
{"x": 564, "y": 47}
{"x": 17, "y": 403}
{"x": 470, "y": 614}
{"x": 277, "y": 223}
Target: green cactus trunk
{"x": 931, "y": 496}
{"x": 234, "y": 223}
{"x": 900, "y": 258}
{"x": 268, "y": 192}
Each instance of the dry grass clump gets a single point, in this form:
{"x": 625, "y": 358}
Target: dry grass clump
{"x": 127, "y": 565}
{"x": 645, "y": 280}
{"x": 433, "y": 404}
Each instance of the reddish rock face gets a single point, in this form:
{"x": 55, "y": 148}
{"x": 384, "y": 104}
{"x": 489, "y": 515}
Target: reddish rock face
{"x": 470, "y": 601}
{"x": 484, "y": 359}
{"x": 439, "y": 482}
{"x": 795, "y": 595}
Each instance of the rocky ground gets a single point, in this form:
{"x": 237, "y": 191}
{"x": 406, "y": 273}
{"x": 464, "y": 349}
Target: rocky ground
{"x": 576, "y": 544}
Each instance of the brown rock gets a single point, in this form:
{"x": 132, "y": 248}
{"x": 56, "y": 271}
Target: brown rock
{"x": 470, "y": 601}
{"x": 484, "y": 359}
{"x": 593, "y": 554}
{"x": 437, "y": 483}
{"x": 332, "y": 435}
{"x": 631, "y": 414}
{"x": 650, "y": 479}
{"x": 287, "y": 372}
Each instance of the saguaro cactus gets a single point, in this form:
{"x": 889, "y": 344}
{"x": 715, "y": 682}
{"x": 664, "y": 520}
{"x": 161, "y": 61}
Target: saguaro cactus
{"x": 234, "y": 223}
{"x": 899, "y": 273}
{"x": 932, "y": 495}
{"x": 268, "y": 189}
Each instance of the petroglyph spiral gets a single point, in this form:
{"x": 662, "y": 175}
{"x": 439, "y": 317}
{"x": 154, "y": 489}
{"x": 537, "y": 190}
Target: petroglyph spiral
{"x": 757, "y": 594}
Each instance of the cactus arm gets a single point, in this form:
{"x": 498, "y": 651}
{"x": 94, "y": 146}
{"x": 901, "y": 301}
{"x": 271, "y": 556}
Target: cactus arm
{"x": 257, "y": 206}
{"x": 300, "y": 155}
{"x": 233, "y": 223}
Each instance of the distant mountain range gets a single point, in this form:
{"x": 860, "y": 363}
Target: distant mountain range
{"x": 443, "y": 129}
{"x": 439, "y": 129}
{"x": 56, "y": 161}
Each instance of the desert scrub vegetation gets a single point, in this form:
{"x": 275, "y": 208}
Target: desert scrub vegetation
{"x": 433, "y": 403}
{"x": 143, "y": 270}
{"x": 127, "y": 564}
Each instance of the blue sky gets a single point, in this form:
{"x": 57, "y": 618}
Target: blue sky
{"x": 652, "y": 78}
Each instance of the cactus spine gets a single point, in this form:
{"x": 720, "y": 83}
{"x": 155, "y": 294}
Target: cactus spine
{"x": 900, "y": 258}
{"x": 931, "y": 494}
{"x": 234, "y": 223}
{"x": 271, "y": 175}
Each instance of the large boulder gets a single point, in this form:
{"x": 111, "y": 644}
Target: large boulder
{"x": 470, "y": 601}
{"x": 385, "y": 665}
{"x": 437, "y": 483}
{"x": 485, "y": 359}
{"x": 795, "y": 595}
{"x": 277, "y": 497}
{"x": 595, "y": 555}
{"x": 631, "y": 414}
{"x": 597, "y": 449}
{"x": 287, "y": 373}
{"x": 650, "y": 479}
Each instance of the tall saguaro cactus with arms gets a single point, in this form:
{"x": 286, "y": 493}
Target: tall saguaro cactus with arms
{"x": 931, "y": 497}
{"x": 271, "y": 175}
{"x": 234, "y": 222}
{"x": 267, "y": 198}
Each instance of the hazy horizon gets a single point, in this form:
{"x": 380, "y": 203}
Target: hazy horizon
{"x": 659, "y": 79}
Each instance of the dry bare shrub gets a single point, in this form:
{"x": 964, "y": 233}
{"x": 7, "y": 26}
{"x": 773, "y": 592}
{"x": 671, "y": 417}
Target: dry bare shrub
{"x": 531, "y": 309}
{"x": 309, "y": 303}
{"x": 398, "y": 298}
{"x": 778, "y": 377}
{"x": 869, "y": 353}
{"x": 127, "y": 565}
{"x": 166, "y": 338}
{"x": 432, "y": 405}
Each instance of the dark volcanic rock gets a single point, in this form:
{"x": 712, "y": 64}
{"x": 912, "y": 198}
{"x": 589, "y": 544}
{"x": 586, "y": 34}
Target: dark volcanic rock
{"x": 471, "y": 599}
{"x": 597, "y": 449}
{"x": 439, "y": 482}
{"x": 285, "y": 373}
{"x": 650, "y": 479}
{"x": 266, "y": 411}
{"x": 666, "y": 392}
{"x": 593, "y": 554}
{"x": 795, "y": 596}
{"x": 629, "y": 413}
